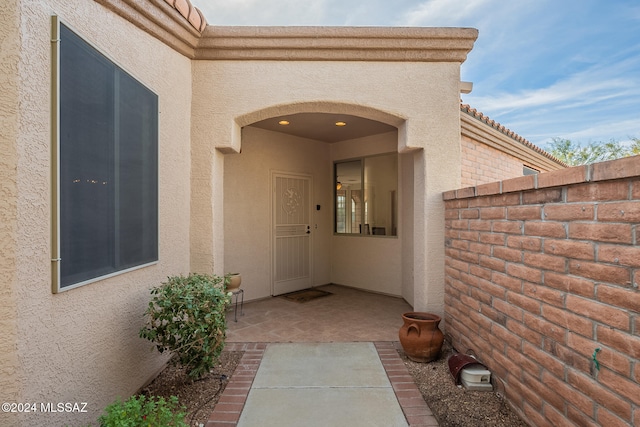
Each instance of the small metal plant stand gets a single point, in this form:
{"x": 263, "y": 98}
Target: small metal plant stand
{"x": 238, "y": 293}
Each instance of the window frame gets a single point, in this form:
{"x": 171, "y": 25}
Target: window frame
{"x": 363, "y": 209}
{"x": 56, "y": 282}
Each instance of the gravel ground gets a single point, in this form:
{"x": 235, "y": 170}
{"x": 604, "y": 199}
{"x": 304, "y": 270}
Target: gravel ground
{"x": 453, "y": 406}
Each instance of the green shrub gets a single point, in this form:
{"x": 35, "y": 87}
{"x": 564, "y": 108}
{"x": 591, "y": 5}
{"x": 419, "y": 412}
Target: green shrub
{"x": 186, "y": 316}
{"x": 139, "y": 411}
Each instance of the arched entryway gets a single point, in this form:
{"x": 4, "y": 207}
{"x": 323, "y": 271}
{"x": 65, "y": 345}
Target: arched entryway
{"x": 298, "y": 148}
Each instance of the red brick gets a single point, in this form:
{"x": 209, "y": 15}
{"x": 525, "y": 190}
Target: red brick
{"x": 516, "y": 388}
{"x": 545, "y": 229}
{"x": 454, "y": 203}
{"x": 548, "y": 394}
{"x": 600, "y": 312}
{"x": 509, "y": 227}
{"x": 607, "y": 357}
{"x": 525, "y": 363}
{"x": 506, "y": 336}
{"x": 544, "y": 294}
{"x": 624, "y": 342}
{"x": 619, "y": 212}
{"x": 510, "y": 199}
{"x": 451, "y": 214}
{"x": 507, "y": 282}
{"x": 598, "y": 393}
{"x": 545, "y": 262}
{"x": 574, "y": 175}
{"x": 492, "y": 263}
{"x": 601, "y": 191}
{"x": 569, "y": 212}
{"x": 574, "y": 285}
{"x": 479, "y": 225}
{"x": 568, "y": 356}
{"x": 525, "y": 333}
{"x": 616, "y": 169}
{"x": 507, "y": 254}
{"x": 606, "y": 418}
{"x": 459, "y": 224}
{"x": 601, "y": 272}
{"x": 520, "y": 183}
{"x": 579, "y": 418}
{"x": 508, "y": 365}
{"x": 469, "y": 235}
{"x": 556, "y": 417}
{"x": 612, "y": 233}
{"x": 493, "y": 213}
{"x": 508, "y": 309}
{"x": 621, "y": 255}
{"x": 533, "y": 244}
{"x": 619, "y": 297}
{"x": 464, "y": 193}
{"x": 572, "y": 395}
{"x": 469, "y": 257}
{"x": 492, "y": 288}
{"x": 479, "y": 202}
{"x": 522, "y": 272}
{"x": 635, "y": 191}
{"x": 535, "y": 418}
{"x": 470, "y": 302}
{"x": 567, "y": 320}
{"x": 529, "y": 304}
{"x": 546, "y": 328}
{"x": 480, "y": 248}
{"x": 489, "y": 189}
{"x": 545, "y": 360}
{"x": 620, "y": 385}
{"x": 470, "y": 214}
{"x": 551, "y": 195}
{"x": 492, "y": 238}
{"x": 458, "y": 265}
{"x": 570, "y": 249}
{"x": 481, "y": 272}
{"x": 524, "y": 212}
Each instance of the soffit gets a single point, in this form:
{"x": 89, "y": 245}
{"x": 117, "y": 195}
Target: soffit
{"x": 322, "y": 126}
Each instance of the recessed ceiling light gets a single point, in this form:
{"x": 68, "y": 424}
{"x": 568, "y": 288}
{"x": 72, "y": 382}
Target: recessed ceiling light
{"x": 283, "y": 122}
{"x": 341, "y": 124}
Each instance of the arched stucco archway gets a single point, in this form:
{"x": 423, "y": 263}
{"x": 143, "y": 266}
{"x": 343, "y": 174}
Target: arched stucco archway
{"x": 372, "y": 263}
{"x": 420, "y": 99}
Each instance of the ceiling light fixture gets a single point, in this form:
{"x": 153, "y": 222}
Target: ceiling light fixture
{"x": 340, "y": 124}
{"x": 283, "y": 122}
{"x": 338, "y": 185}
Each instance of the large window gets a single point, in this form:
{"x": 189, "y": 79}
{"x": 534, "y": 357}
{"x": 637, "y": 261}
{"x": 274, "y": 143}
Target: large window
{"x": 105, "y": 166}
{"x": 366, "y": 196}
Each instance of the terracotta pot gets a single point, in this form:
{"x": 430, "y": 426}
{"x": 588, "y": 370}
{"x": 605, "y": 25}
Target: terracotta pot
{"x": 234, "y": 282}
{"x": 420, "y": 337}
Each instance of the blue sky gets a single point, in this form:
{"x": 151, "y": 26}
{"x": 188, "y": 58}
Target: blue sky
{"x": 543, "y": 68}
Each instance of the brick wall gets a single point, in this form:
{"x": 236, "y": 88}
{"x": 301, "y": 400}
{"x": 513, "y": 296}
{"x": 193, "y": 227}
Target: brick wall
{"x": 482, "y": 164}
{"x": 540, "y": 272}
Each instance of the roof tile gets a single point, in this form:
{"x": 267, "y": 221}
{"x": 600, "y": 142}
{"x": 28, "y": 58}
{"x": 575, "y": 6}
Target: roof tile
{"x": 190, "y": 13}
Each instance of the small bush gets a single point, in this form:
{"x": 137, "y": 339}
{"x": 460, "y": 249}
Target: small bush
{"x": 186, "y": 316}
{"x": 139, "y": 411}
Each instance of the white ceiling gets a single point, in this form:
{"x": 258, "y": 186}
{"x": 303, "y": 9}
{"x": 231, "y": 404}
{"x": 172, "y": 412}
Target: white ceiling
{"x": 322, "y": 126}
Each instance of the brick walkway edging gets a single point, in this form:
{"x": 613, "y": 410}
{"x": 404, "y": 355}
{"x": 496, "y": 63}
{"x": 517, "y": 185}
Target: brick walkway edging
{"x": 228, "y": 409}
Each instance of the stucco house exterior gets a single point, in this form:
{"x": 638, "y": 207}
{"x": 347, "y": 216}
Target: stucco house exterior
{"x": 218, "y": 166}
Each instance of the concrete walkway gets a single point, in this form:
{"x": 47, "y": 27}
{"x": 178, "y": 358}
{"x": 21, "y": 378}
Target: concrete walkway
{"x": 321, "y": 384}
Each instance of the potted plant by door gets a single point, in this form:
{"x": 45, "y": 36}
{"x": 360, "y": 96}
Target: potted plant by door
{"x": 233, "y": 282}
{"x": 420, "y": 337}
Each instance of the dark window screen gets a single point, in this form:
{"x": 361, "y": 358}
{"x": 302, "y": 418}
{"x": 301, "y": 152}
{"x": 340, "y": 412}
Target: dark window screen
{"x": 108, "y": 166}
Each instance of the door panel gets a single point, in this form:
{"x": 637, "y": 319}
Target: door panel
{"x": 291, "y": 246}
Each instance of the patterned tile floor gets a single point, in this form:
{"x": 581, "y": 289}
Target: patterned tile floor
{"x": 348, "y": 315}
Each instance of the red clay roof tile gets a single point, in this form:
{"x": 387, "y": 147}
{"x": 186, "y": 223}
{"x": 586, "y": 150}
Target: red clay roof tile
{"x": 466, "y": 108}
{"x": 190, "y": 13}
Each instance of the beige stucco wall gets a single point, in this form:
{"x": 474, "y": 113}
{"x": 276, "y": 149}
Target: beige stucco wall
{"x": 247, "y": 205}
{"x": 421, "y": 99}
{"x": 371, "y": 263}
{"x": 81, "y": 345}
{"x": 9, "y": 123}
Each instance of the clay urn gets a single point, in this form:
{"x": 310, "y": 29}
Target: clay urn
{"x": 420, "y": 337}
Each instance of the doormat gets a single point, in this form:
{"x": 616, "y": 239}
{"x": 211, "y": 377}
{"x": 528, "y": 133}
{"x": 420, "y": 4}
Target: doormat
{"x": 306, "y": 295}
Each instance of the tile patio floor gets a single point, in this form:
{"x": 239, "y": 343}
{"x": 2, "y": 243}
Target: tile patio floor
{"x": 346, "y": 316}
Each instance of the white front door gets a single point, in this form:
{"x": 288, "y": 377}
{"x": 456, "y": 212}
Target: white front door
{"x": 291, "y": 247}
